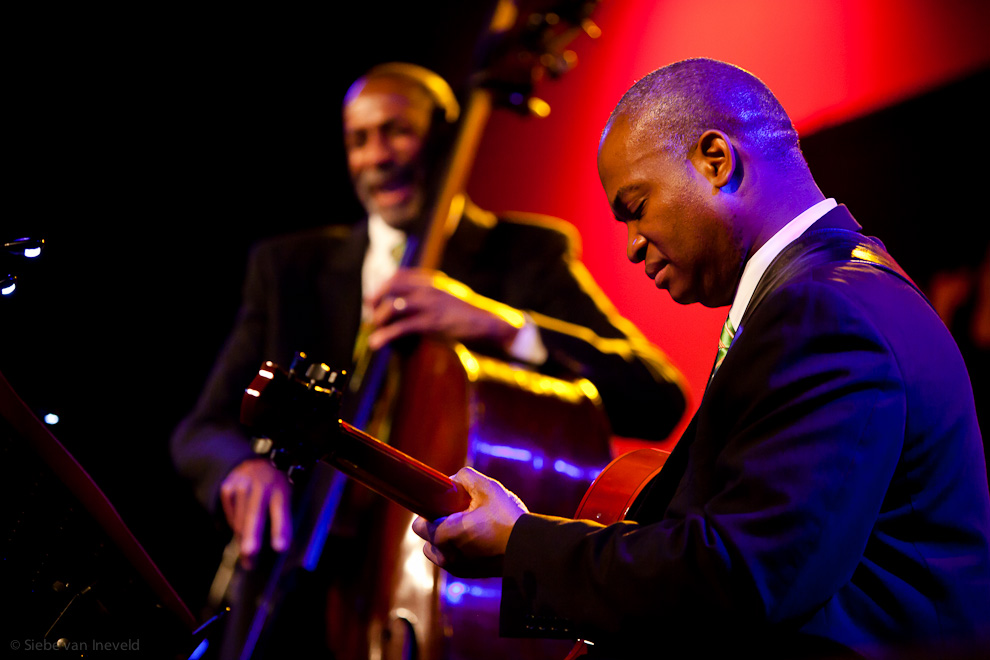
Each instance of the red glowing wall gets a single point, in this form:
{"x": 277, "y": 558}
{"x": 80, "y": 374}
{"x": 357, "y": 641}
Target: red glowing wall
{"x": 827, "y": 61}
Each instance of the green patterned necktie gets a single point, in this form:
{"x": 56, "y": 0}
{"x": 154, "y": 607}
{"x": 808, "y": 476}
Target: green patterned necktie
{"x": 362, "y": 355}
{"x": 724, "y": 341}
{"x": 398, "y": 251}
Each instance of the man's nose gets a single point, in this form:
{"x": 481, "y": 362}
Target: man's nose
{"x": 635, "y": 244}
{"x": 378, "y": 150}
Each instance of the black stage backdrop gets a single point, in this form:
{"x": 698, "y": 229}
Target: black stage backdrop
{"x": 151, "y": 149}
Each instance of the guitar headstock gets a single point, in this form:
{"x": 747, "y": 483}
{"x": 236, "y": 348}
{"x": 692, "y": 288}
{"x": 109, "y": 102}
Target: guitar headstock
{"x": 294, "y": 413}
{"x": 527, "y": 40}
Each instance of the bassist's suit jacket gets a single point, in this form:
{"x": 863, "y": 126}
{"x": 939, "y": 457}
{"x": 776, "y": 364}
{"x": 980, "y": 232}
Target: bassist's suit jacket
{"x": 829, "y": 494}
{"x": 303, "y": 292}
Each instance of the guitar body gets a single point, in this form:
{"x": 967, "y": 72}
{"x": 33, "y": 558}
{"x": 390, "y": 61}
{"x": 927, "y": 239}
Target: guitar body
{"x": 615, "y": 491}
{"x": 544, "y": 438}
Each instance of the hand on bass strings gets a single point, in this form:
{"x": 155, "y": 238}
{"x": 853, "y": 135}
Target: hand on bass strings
{"x": 255, "y": 493}
{"x": 472, "y": 543}
{"x": 417, "y": 301}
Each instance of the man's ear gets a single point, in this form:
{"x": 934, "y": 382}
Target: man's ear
{"x": 717, "y": 160}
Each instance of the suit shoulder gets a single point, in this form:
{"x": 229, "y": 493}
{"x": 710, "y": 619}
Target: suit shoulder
{"x": 536, "y": 226}
{"x": 305, "y": 240}
{"x": 843, "y": 295}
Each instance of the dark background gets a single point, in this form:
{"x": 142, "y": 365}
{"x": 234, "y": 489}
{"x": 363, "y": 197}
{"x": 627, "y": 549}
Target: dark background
{"x": 151, "y": 149}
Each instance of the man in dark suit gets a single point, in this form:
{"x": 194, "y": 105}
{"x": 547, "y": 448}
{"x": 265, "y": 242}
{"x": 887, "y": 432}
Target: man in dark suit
{"x": 512, "y": 287}
{"x": 829, "y": 497}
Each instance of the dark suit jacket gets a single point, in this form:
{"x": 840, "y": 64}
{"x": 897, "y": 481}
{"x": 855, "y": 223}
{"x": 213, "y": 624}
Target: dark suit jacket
{"x": 829, "y": 493}
{"x": 303, "y": 293}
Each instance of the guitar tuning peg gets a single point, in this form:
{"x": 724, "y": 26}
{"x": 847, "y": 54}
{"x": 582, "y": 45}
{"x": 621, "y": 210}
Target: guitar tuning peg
{"x": 558, "y": 64}
{"x": 300, "y": 363}
{"x": 321, "y": 374}
{"x": 262, "y": 445}
{"x": 295, "y": 473}
{"x": 317, "y": 372}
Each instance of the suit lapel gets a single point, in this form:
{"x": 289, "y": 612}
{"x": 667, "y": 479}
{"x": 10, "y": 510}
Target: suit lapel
{"x": 339, "y": 285}
{"x": 834, "y": 236}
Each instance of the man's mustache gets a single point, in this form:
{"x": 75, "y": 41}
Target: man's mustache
{"x": 384, "y": 177}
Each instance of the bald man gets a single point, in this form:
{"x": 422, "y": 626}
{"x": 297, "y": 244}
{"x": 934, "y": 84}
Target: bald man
{"x": 829, "y": 497}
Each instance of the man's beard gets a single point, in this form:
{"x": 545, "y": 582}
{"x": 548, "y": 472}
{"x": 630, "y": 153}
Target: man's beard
{"x": 373, "y": 183}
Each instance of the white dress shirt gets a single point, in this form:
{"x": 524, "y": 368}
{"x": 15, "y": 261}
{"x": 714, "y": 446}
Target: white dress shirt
{"x": 761, "y": 260}
{"x": 381, "y": 262}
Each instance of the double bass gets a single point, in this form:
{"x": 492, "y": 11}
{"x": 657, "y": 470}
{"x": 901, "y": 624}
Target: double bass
{"x": 298, "y": 412}
{"x": 447, "y": 406}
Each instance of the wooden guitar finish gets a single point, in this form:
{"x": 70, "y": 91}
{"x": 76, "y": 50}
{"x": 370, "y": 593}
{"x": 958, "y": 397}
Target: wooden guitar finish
{"x": 446, "y": 407}
{"x": 622, "y": 481}
{"x": 544, "y": 439}
{"x": 514, "y": 425}
{"x": 452, "y": 408}
{"x": 614, "y": 493}
{"x": 425, "y": 603}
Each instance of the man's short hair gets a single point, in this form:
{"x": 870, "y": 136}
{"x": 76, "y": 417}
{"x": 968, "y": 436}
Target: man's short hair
{"x": 681, "y": 100}
{"x": 432, "y": 84}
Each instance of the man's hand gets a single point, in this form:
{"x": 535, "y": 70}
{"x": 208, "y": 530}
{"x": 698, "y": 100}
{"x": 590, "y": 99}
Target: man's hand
{"x": 430, "y": 303}
{"x": 472, "y": 543}
{"x": 255, "y": 493}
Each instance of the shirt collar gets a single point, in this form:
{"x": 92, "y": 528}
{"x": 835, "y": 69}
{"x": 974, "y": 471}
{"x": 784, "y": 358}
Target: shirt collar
{"x": 762, "y": 258}
{"x": 382, "y": 236}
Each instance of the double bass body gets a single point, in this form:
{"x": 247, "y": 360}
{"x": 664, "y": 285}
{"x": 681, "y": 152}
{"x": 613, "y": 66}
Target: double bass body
{"x": 544, "y": 438}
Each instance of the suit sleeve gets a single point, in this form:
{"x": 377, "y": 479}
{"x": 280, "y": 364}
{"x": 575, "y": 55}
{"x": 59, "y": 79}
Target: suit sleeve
{"x": 796, "y": 444}
{"x": 210, "y": 441}
{"x": 585, "y": 336}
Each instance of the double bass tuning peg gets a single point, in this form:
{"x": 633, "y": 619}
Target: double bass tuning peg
{"x": 591, "y": 28}
{"x": 557, "y": 64}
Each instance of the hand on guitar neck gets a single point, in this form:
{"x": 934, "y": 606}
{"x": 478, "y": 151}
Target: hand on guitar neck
{"x": 471, "y": 543}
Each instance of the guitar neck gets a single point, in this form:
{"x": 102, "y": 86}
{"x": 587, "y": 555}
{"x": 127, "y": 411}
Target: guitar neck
{"x": 282, "y": 405}
{"x": 393, "y": 474}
